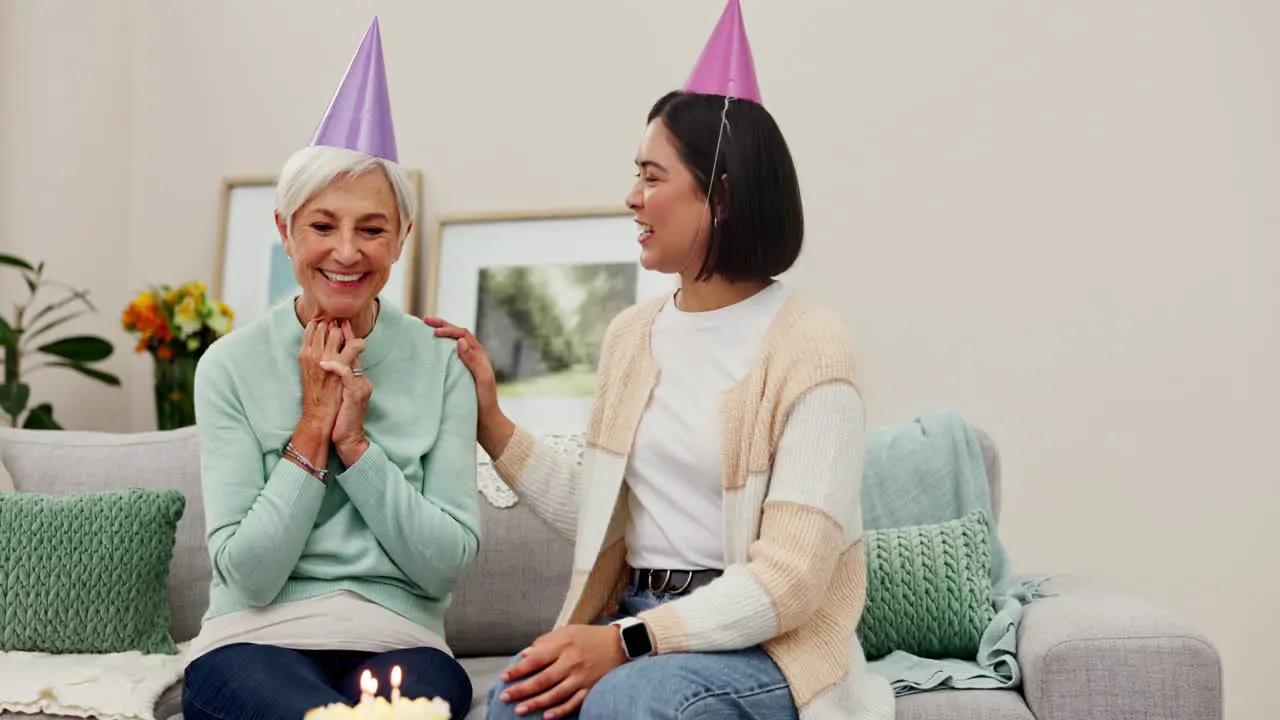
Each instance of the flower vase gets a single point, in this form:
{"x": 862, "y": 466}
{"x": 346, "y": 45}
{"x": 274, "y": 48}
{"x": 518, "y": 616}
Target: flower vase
{"x": 175, "y": 391}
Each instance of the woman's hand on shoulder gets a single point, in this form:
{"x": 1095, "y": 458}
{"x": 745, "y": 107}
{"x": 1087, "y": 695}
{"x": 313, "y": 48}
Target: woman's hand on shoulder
{"x": 494, "y": 428}
{"x": 477, "y": 360}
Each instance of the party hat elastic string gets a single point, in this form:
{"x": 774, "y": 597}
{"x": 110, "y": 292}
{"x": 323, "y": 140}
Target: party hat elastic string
{"x": 715, "y": 159}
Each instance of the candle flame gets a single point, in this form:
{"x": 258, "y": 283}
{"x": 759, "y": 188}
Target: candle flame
{"x": 395, "y": 676}
{"x": 367, "y": 683}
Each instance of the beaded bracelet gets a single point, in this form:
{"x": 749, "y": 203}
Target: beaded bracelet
{"x": 292, "y": 453}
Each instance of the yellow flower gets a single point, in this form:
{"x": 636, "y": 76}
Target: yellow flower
{"x": 192, "y": 290}
{"x": 187, "y": 317}
{"x": 219, "y": 323}
{"x": 170, "y": 320}
{"x": 145, "y": 301}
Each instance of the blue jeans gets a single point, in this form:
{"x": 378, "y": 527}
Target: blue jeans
{"x": 745, "y": 684}
{"x": 246, "y": 681}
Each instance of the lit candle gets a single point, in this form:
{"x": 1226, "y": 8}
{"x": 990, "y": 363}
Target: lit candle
{"x": 368, "y": 686}
{"x": 395, "y": 684}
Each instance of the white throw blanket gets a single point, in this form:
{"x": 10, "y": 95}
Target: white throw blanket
{"x": 118, "y": 686}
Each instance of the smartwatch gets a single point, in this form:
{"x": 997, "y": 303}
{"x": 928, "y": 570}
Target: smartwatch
{"x": 635, "y": 637}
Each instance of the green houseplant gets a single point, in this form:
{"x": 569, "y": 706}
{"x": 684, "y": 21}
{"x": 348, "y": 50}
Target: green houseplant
{"x": 26, "y": 347}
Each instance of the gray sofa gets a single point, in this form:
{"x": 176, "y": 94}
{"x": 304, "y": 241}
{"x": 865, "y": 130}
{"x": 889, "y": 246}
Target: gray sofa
{"x": 1087, "y": 653}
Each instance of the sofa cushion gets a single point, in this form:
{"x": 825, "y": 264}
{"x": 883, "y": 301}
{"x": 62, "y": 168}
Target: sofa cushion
{"x": 85, "y": 573}
{"x": 928, "y": 589}
{"x": 484, "y": 673}
{"x": 6, "y": 481}
{"x": 963, "y": 705}
{"x": 512, "y": 593}
{"x": 60, "y": 462}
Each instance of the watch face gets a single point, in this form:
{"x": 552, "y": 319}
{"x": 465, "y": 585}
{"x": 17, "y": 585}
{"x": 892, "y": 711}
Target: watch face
{"x": 636, "y": 640}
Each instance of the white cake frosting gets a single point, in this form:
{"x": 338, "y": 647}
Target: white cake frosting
{"x": 381, "y": 709}
{"x": 372, "y": 707}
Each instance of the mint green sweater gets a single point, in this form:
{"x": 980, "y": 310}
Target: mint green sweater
{"x": 399, "y": 527}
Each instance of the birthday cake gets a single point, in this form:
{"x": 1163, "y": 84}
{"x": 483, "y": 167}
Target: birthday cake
{"x": 381, "y": 709}
{"x": 372, "y": 707}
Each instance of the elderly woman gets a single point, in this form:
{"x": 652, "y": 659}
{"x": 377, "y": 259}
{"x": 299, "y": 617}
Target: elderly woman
{"x": 718, "y": 567}
{"x": 339, "y": 519}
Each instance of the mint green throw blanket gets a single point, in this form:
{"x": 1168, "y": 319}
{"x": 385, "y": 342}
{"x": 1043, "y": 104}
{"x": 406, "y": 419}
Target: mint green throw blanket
{"x": 930, "y": 471}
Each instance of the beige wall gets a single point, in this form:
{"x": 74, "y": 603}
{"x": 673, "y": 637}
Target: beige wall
{"x": 64, "y": 163}
{"x": 1060, "y": 219}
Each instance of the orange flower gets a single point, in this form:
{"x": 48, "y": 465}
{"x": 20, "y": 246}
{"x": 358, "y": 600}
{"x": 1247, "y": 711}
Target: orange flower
{"x": 173, "y": 321}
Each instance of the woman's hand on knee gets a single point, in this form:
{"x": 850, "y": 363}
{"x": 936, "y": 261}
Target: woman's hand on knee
{"x": 565, "y": 665}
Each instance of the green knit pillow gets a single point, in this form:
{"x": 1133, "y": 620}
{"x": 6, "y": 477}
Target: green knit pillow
{"x": 85, "y": 573}
{"x": 928, "y": 589}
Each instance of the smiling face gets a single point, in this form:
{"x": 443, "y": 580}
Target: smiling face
{"x": 670, "y": 208}
{"x": 343, "y": 243}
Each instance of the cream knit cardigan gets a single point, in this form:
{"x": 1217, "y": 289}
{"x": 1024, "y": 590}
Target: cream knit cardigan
{"x": 796, "y": 576}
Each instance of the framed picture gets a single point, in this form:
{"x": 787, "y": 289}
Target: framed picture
{"x": 252, "y": 271}
{"x": 539, "y": 290}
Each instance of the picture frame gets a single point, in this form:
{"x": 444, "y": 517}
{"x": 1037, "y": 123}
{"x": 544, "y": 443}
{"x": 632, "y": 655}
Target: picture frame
{"x": 538, "y": 290}
{"x": 251, "y": 271}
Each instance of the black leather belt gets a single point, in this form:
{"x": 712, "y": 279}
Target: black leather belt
{"x": 672, "y": 582}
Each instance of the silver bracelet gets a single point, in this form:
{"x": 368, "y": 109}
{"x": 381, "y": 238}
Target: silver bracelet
{"x": 291, "y": 452}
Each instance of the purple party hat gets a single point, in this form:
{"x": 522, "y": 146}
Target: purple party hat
{"x": 725, "y": 66}
{"x": 359, "y": 116}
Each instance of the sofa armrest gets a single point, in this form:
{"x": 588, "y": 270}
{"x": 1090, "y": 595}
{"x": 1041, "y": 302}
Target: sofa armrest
{"x": 1088, "y": 652}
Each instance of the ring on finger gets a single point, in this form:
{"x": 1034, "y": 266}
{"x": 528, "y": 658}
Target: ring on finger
{"x": 357, "y": 371}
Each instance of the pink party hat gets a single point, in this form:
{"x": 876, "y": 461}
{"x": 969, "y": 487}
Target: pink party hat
{"x": 725, "y": 66}
{"x": 359, "y": 116}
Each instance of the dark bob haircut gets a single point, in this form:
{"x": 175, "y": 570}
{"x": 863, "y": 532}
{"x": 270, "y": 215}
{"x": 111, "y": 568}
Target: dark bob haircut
{"x": 759, "y": 226}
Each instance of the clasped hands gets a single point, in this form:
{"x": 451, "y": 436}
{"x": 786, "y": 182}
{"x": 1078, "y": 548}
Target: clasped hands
{"x": 335, "y": 392}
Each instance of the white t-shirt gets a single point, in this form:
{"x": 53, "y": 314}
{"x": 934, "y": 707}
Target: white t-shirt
{"x": 675, "y": 471}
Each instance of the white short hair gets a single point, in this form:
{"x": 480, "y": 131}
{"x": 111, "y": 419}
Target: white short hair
{"x": 312, "y": 168}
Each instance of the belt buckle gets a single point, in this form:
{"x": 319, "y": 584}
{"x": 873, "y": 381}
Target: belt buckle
{"x": 666, "y": 581}
{"x": 687, "y": 582}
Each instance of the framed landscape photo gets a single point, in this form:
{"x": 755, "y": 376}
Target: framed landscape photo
{"x": 253, "y": 273}
{"x": 539, "y": 290}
